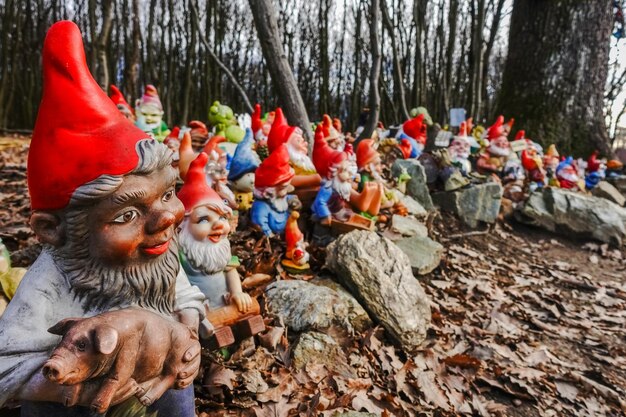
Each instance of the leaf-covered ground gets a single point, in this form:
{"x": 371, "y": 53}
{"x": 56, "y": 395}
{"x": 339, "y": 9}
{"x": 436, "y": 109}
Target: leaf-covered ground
{"x": 524, "y": 324}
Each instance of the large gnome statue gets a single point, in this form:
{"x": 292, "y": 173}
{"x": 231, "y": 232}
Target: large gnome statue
{"x": 493, "y": 160}
{"x": 306, "y": 180}
{"x": 414, "y": 130}
{"x": 272, "y": 188}
{"x": 104, "y": 208}
{"x": 204, "y": 247}
{"x": 122, "y": 105}
{"x": 149, "y": 113}
{"x": 241, "y": 175}
{"x": 337, "y": 199}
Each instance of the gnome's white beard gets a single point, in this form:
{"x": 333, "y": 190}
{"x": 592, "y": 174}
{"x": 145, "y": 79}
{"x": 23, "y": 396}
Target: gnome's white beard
{"x": 498, "y": 151}
{"x": 280, "y": 204}
{"x": 567, "y": 176}
{"x": 343, "y": 188}
{"x": 299, "y": 159}
{"x": 146, "y": 127}
{"x": 374, "y": 173}
{"x": 205, "y": 255}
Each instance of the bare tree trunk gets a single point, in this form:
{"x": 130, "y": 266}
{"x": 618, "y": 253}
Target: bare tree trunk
{"x": 497, "y": 17}
{"x": 374, "y": 101}
{"x": 476, "y": 57}
{"x": 284, "y": 82}
{"x": 102, "y": 45}
{"x": 229, "y": 74}
{"x": 132, "y": 70}
{"x": 396, "y": 59}
{"x": 419, "y": 79}
{"x": 554, "y": 85}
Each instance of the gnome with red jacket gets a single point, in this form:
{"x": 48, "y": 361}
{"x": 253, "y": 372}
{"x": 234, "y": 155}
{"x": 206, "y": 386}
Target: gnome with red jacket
{"x": 493, "y": 160}
{"x": 413, "y": 131}
{"x": 204, "y": 247}
{"x": 104, "y": 208}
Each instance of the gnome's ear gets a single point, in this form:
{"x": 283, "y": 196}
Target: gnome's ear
{"x": 63, "y": 326}
{"x": 48, "y": 227}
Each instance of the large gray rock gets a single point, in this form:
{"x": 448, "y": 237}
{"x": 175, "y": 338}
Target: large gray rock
{"x": 320, "y": 348}
{"x": 379, "y": 275}
{"x": 576, "y": 214}
{"x": 408, "y": 226}
{"x": 479, "y": 203}
{"x": 304, "y": 306}
{"x": 424, "y": 253}
{"x": 413, "y": 207}
{"x": 416, "y": 187}
{"x": 608, "y": 191}
{"x": 619, "y": 183}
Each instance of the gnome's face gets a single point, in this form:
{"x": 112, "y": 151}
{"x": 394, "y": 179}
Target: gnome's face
{"x": 500, "y": 146}
{"x": 137, "y": 222}
{"x": 245, "y": 184}
{"x": 336, "y": 142}
{"x": 149, "y": 116}
{"x": 208, "y": 225}
{"x": 459, "y": 149}
{"x": 297, "y": 142}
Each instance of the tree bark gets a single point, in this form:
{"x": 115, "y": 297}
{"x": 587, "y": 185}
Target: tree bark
{"x": 396, "y": 60}
{"x": 556, "y": 71}
{"x": 284, "y": 82}
{"x": 374, "y": 100}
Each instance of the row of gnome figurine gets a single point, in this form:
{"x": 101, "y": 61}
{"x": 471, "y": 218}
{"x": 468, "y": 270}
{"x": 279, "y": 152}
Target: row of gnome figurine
{"x": 521, "y": 165}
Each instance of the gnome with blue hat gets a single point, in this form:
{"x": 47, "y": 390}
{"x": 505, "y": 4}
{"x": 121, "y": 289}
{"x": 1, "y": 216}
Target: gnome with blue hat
{"x": 242, "y": 167}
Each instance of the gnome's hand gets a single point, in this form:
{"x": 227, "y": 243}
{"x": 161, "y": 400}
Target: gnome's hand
{"x": 242, "y": 300}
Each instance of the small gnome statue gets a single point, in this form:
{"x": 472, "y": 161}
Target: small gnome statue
{"x": 332, "y": 136}
{"x": 149, "y": 113}
{"x": 596, "y": 171}
{"x": 272, "y": 193}
{"x": 460, "y": 150}
{"x": 296, "y": 256}
{"x": 567, "y": 175}
{"x": 493, "y": 160}
{"x": 122, "y": 105}
{"x": 414, "y": 130}
{"x": 241, "y": 175}
{"x": 204, "y": 247}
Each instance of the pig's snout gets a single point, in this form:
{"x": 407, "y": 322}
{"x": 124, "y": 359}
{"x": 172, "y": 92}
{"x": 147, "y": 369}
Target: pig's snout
{"x": 52, "y": 371}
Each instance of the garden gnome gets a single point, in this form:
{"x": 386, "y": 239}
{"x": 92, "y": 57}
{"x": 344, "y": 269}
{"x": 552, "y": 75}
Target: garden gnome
{"x": 332, "y": 136}
{"x": 204, "y": 247}
{"x": 337, "y": 197}
{"x": 199, "y": 134}
{"x": 217, "y": 172}
{"x": 223, "y": 120}
{"x": 261, "y": 128}
{"x": 460, "y": 150}
{"x": 567, "y": 175}
{"x": 596, "y": 171}
{"x": 494, "y": 158}
{"x": 149, "y": 113}
{"x": 296, "y": 256}
{"x": 272, "y": 188}
{"x": 241, "y": 173}
{"x": 172, "y": 141}
{"x": 281, "y": 133}
{"x": 533, "y": 164}
{"x": 104, "y": 208}
{"x": 415, "y": 131}
{"x": 550, "y": 163}
{"x": 122, "y": 105}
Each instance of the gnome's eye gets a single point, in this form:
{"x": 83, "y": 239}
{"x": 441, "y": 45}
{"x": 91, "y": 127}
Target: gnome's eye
{"x": 127, "y": 217}
{"x": 168, "y": 196}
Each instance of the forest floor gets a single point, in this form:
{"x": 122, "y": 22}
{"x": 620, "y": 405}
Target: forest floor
{"x": 524, "y": 323}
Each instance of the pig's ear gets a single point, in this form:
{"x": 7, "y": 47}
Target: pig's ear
{"x": 63, "y": 326}
{"x": 105, "y": 339}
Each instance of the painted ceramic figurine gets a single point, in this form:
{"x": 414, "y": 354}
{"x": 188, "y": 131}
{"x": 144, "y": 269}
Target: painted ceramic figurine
{"x": 337, "y": 200}
{"x": 204, "y": 247}
{"x": 217, "y": 171}
{"x": 492, "y": 161}
{"x": 104, "y": 208}
{"x": 149, "y": 114}
{"x": 223, "y": 119}
{"x": 122, "y": 105}
{"x": 199, "y": 134}
{"x": 550, "y": 163}
{"x": 414, "y": 130}
{"x": 596, "y": 171}
{"x": 567, "y": 175}
{"x": 332, "y": 136}
{"x": 172, "y": 141}
{"x": 460, "y": 150}
{"x": 272, "y": 193}
{"x": 306, "y": 180}
{"x": 261, "y": 128}
{"x": 533, "y": 164}
{"x": 296, "y": 256}
{"x": 241, "y": 174}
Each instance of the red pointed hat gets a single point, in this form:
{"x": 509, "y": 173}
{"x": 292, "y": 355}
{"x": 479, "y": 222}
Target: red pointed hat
{"x": 174, "y": 134}
{"x": 79, "y": 133}
{"x": 463, "y": 130}
{"x": 257, "y": 123}
{"x": 593, "y": 165}
{"x": 337, "y": 125}
{"x": 325, "y": 157}
{"x": 520, "y": 135}
{"x": 496, "y": 129}
{"x": 196, "y": 192}
{"x": 365, "y": 152}
{"x": 280, "y": 131}
{"x": 415, "y": 128}
{"x": 211, "y": 145}
{"x": 275, "y": 169}
{"x": 118, "y": 98}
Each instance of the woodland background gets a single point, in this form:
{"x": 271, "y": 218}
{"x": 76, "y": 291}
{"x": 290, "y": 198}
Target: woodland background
{"x": 435, "y": 53}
